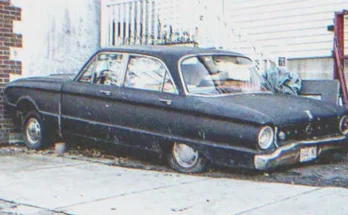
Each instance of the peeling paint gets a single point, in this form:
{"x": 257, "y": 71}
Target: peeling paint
{"x": 59, "y": 37}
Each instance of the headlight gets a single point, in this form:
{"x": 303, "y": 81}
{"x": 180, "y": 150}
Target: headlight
{"x": 344, "y": 125}
{"x": 266, "y": 137}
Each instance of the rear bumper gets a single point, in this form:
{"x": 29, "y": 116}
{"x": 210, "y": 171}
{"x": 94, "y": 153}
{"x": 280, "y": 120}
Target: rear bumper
{"x": 290, "y": 154}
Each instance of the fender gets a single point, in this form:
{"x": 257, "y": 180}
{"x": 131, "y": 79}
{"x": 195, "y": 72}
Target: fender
{"x": 27, "y": 98}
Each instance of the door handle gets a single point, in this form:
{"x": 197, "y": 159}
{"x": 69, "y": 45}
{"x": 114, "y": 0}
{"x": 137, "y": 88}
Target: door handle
{"x": 165, "y": 101}
{"x": 105, "y": 92}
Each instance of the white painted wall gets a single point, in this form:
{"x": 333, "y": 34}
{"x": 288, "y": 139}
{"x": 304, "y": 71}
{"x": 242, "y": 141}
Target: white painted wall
{"x": 296, "y": 29}
{"x": 291, "y": 28}
{"x": 58, "y": 35}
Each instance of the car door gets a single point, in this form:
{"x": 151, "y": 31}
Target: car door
{"x": 150, "y": 98}
{"x": 90, "y": 103}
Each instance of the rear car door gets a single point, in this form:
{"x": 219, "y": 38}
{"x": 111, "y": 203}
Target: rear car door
{"x": 90, "y": 102}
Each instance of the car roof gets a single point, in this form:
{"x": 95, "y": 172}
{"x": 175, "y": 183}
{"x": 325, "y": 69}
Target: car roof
{"x": 170, "y": 55}
{"x": 162, "y": 51}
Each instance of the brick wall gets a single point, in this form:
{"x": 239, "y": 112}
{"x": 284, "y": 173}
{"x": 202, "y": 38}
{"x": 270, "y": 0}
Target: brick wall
{"x": 8, "y": 40}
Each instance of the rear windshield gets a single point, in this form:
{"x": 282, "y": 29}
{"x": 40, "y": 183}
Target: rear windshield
{"x": 211, "y": 75}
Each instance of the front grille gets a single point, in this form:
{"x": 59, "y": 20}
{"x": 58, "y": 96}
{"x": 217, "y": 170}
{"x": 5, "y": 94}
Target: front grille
{"x": 309, "y": 131}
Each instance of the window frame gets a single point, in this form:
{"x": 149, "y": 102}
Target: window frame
{"x": 93, "y": 60}
{"x": 84, "y": 70}
{"x": 183, "y": 83}
{"x": 167, "y": 71}
{"x": 127, "y": 56}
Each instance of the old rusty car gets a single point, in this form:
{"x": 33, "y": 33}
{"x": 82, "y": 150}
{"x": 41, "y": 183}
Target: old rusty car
{"x": 191, "y": 105}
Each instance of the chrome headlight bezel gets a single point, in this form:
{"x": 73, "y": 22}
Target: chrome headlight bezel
{"x": 343, "y": 126}
{"x": 265, "y": 137}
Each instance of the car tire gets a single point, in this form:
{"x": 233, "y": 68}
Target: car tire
{"x": 33, "y": 131}
{"x": 185, "y": 159}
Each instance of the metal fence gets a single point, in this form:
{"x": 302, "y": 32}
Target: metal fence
{"x": 137, "y": 22}
{"x": 127, "y": 22}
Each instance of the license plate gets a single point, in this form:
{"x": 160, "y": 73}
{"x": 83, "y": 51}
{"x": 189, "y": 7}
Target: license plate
{"x": 308, "y": 154}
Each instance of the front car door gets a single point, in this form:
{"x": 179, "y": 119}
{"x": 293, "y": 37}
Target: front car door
{"x": 150, "y": 96}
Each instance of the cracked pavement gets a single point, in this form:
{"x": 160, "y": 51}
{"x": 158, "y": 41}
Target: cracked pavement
{"x": 47, "y": 184}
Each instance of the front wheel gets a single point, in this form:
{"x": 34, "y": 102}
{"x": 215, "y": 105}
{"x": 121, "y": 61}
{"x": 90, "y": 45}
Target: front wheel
{"x": 33, "y": 131}
{"x": 184, "y": 158}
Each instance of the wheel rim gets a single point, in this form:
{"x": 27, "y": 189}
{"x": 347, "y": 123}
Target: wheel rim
{"x": 186, "y": 156}
{"x": 33, "y": 131}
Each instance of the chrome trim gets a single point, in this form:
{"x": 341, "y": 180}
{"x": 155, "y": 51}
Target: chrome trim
{"x": 83, "y": 71}
{"x": 185, "y": 155}
{"x": 180, "y": 139}
{"x": 225, "y": 95}
{"x": 32, "y": 131}
{"x": 340, "y": 126}
{"x": 60, "y": 119}
{"x": 11, "y": 104}
{"x": 48, "y": 113}
{"x": 271, "y": 140}
{"x": 262, "y": 161}
{"x": 276, "y": 137}
{"x": 309, "y": 114}
{"x": 126, "y": 59}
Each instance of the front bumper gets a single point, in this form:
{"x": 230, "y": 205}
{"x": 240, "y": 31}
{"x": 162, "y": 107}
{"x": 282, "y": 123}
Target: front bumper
{"x": 290, "y": 154}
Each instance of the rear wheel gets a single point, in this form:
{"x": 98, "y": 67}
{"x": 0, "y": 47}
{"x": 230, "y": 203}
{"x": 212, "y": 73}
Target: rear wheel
{"x": 184, "y": 158}
{"x": 33, "y": 131}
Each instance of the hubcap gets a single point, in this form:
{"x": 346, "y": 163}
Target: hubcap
{"x": 33, "y": 131}
{"x": 185, "y": 155}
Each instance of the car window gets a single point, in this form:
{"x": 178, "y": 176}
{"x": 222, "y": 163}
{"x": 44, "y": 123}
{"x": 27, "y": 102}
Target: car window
{"x": 148, "y": 74}
{"x": 168, "y": 85}
{"x": 88, "y": 73}
{"x": 105, "y": 69}
{"x": 109, "y": 69}
{"x": 214, "y": 74}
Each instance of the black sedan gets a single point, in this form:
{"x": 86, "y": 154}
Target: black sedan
{"x": 192, "y": 105}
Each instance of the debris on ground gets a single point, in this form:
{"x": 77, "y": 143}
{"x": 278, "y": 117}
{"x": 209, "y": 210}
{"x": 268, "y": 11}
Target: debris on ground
{"x": 331, "y": 172}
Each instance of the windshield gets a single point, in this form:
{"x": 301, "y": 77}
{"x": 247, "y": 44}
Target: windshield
{"x": 211, "y": 75}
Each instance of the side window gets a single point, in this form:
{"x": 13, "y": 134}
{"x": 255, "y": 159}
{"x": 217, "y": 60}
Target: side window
{"x": 168, "y": 85}
{"x": 109, "y": 69}
{"x": 148, "y": 74}
{"x": 105, "y": 68}
{"x": 88, "y": 73}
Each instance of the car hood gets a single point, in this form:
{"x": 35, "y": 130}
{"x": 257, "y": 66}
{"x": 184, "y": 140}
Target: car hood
{"x": 274, "y": 109}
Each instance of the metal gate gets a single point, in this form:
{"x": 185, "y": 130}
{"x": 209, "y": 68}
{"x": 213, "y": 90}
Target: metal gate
{"x": 128, "y": 22}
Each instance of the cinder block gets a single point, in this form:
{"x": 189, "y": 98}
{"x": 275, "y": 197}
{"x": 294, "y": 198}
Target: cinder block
{"x": 15, "y": 138}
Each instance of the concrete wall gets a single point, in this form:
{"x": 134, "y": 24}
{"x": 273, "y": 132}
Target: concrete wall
{"x": 312, "y": 68}
{"x": 58, "y": 35}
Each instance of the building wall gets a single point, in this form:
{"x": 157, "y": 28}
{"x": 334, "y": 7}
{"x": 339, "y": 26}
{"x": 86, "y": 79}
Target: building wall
{"x": 292, "y": 28}
{"x": 295, "y": 29}
{"x": 58, "y": 35}
{"x": 41, "y": 37}
{"x": 8, "y": 40}
{"x": 312, "y": 68}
